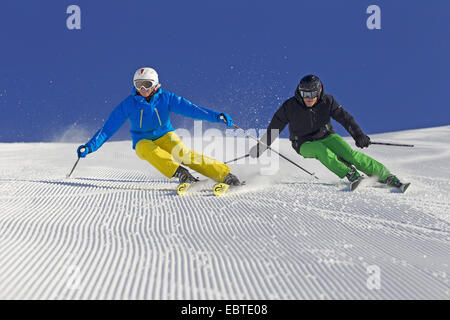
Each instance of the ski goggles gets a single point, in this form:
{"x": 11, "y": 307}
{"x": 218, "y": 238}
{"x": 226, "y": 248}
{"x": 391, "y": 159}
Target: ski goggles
{"x": 309, "y": 94}
{"x": 146, "y": 84}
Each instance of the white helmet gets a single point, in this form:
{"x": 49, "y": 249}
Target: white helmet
{"x": 147, "y": 74}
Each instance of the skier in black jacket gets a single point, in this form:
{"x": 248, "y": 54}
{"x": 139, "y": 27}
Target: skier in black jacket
{"x": 308, "y": 114}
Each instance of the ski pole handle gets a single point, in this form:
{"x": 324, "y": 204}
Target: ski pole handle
{"x": 84, "y": 148}
{"x": 393, "y": 144}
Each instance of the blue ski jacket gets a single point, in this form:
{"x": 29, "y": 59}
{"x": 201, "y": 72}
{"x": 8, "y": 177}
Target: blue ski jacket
{"x": 149, "y": 120}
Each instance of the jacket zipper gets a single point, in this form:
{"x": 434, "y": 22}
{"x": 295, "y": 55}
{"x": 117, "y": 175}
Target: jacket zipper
{"x": 158, "y": 117}
{"x": 312, "y": 120}
{"x": 142, "y": 113}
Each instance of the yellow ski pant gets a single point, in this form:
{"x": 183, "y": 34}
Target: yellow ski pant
{"x": 168, "y": 152}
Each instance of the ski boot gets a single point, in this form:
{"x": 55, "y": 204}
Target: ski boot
{"x": 230, "y": 180}
{"x": 393, "y": 181}
{"x": 354, "y": 177}
{"x": 184, "y": 175}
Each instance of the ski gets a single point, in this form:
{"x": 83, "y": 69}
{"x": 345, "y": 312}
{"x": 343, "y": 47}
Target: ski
{"x": 221, "y": 189}
{"x": 355, "y": 184}
{"x": 183, "y": 188}
{"x": 404, "y": 186}
{"x": 187, "y": 187}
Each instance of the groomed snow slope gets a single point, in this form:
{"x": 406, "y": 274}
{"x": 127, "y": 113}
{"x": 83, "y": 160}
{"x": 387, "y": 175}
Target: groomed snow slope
{"x": 117, "y": 229}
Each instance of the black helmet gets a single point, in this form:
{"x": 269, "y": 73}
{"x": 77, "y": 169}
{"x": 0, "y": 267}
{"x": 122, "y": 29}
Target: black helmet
{"x": 310, "y": 83}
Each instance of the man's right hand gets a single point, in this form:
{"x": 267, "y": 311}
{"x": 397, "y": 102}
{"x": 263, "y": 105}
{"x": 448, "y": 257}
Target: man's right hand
{"x": 225, "y": 117}
{"x": 362, "y": 141}
{"x": 83, "y": 151}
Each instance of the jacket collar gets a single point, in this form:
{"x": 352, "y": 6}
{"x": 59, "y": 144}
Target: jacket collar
{"x": 140, "y": 98}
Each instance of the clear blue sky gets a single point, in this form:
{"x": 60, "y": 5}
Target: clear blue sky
{"x": 238, "y": 56}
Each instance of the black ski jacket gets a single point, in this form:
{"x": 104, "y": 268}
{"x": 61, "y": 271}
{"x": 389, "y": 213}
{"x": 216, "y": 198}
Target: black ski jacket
{"x": 309, "y": 123}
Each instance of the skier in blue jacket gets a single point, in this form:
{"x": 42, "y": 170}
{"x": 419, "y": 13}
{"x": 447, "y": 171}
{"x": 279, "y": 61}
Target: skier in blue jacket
{"x": 154, "y": 138}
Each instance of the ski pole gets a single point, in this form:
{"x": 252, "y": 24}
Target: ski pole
{"x": 68, "y": 176}
{"x": 393, "y": 144}
{"x": 250, "y": 136}
{"x": 247, "y": 155}
{"x": 76, "y": 163}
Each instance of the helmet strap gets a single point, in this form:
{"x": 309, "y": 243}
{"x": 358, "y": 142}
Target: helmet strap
{"x": 155, "y": 89}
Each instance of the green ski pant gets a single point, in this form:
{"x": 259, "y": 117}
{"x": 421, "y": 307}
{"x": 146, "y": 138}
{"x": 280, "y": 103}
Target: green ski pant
{"x": 330, "y": 150}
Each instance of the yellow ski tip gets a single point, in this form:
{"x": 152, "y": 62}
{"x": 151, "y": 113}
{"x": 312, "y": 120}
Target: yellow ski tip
{"x": 220, "y": 189}
{"x": 182, "y": 188}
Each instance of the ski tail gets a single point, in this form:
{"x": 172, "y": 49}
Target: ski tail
{"x": 404, "y": 186}
{"x": 183, "y": 188}
{"x": 355, "y": 183}
{"x": 220, "y": 189}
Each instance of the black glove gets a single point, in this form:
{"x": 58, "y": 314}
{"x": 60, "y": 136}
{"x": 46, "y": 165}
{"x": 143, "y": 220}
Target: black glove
{"x": 362, "y": 141}
{"x": 257, "y": 150}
